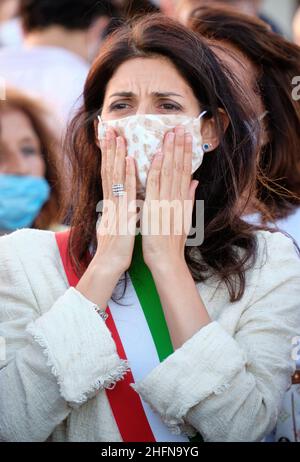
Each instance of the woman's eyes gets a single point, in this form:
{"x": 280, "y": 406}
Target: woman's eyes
{"x": 171, "y": 107}
{"x": 118, "y": 106}
{"x": 167, "y": 106}
{"x": 29, "y": 151}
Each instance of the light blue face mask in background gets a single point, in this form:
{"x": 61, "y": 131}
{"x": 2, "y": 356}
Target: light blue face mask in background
{"x": 21, "y": 200}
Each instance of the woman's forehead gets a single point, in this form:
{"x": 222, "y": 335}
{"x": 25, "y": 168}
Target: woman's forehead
{"x": 153, "y": 74}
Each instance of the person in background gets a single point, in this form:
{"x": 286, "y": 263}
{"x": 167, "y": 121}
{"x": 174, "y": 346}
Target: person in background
{"x": 61, "y": 37}
{"x": 10, "y": 26}
{"x": 251, "y": 7}
{"x": 296, "y": 27}
{"x": 30, "y": 188}
{"x": 265, "y": 64}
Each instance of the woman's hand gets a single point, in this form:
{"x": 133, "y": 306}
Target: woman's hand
{"x": 169, "y": 202}
{"x": 170, "y": 180}
{"x": 116, "y": 231}
{"x": 115, "y": 241}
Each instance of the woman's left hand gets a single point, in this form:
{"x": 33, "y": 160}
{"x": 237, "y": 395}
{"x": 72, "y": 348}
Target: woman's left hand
{"x": 169, "y": 201}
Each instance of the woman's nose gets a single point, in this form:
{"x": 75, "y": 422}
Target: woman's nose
{"x": 144, "y": 108}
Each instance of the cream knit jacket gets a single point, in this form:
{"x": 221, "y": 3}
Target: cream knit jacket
{"x": 226, "y": 381}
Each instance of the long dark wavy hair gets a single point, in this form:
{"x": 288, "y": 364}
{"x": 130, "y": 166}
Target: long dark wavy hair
{"x": 278, "y": 62}
{"x": 226, "y": 174}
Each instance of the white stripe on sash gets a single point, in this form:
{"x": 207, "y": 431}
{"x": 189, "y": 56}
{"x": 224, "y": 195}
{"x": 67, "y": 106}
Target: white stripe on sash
{"x": 140, "y": 351}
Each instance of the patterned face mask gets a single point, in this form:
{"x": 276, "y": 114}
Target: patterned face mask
{"x": 144, "y": 135}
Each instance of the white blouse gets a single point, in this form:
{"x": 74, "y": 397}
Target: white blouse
{"x": 226, "y": 382}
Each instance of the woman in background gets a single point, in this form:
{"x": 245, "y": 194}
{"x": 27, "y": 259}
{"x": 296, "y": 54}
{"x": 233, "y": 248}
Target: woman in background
{"x": 30, "y": 188}
{"x": 265, "y": 65}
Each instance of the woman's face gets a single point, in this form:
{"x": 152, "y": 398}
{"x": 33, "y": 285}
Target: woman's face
{"x": 22, "y": 148}
{"x": 148, "y": 86}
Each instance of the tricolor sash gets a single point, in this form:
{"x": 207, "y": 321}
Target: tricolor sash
{"x": 139, "y": 330}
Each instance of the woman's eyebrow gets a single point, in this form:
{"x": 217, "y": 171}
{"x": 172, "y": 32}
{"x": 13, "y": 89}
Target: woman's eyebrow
{"x": 26, "y": 138}
{"x": 157, "y": 94}
{"x": 124, "y": 94}
{"x": 165, "y": 94}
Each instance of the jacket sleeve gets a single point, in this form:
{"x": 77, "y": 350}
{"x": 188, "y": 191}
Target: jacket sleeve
{"x": 229, "y": 387}
{"x": 54, "y": 361}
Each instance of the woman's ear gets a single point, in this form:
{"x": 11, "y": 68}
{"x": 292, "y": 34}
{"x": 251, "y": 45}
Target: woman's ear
{"x": 209, "y": 130}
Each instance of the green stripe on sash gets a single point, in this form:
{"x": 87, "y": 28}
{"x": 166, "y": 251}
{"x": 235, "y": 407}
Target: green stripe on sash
{"x": 145, "y": 289}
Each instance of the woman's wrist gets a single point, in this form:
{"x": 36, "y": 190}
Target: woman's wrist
{"x": 165, "y": 265}
{"x": 98, "y": 283}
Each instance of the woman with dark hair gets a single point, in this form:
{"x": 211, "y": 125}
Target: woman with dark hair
{"x": 157, "y": 339}
{"x": 265, "y": 64}
{"x": 30, "y": 187}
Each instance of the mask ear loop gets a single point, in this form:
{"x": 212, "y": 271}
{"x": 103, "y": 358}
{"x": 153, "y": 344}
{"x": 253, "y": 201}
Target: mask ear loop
{"x": 206, "y": 146}
{"x": 101, "y": 125}
{"x": 202, "y": 114}
{"x": 262, "y": 116}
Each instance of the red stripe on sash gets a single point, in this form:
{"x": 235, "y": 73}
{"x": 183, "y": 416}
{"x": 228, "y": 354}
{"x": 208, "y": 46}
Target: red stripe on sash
{"x": 125, "y": 403}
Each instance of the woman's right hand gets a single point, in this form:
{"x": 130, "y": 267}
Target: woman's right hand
{"x": 116, "y": 230}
